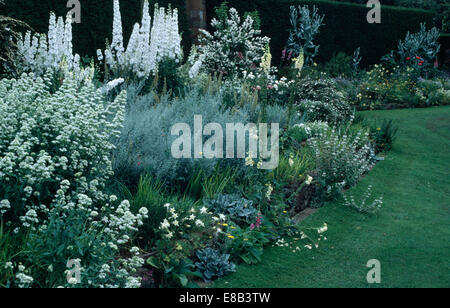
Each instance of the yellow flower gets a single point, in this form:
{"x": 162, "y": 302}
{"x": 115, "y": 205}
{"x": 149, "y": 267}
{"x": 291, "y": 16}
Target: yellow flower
{"x": 299, "y": 62}
{"x": 179, "y": 247}
{"x": 230, "y": 236}
{"x": 378, "y": 129}
{"x": 285, "y": 212}
{"x": 266, "y": 61}
{"x": 249, "y": 161}
{"x": 225, "y": 225}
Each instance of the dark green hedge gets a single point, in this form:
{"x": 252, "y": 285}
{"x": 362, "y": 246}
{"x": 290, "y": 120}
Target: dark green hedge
{"x": 346, "y": 26}
{"x": 445, "y": 49}
{"x": 96, "y": 19}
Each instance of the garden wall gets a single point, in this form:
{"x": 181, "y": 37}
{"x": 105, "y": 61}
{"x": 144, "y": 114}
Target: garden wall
{"x": 346, "y": 26}
{"x": 96, "y": 19}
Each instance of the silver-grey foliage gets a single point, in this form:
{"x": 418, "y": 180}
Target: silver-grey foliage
{"x": 146, "y": 139}
{"x": 305, "y": 25}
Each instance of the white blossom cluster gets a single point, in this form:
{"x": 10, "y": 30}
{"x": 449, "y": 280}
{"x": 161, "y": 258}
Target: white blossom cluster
{"x": 341, "y": 159}
{"x": 23, "y": 280}
{"x": 41, "y": 52}
{"x": 148, "y": 45}
{"x": 52, "y": 143}
{"x": 233, "y": 48}
{"x": 176, "y": 224}
{"x": 55, "y": 159}
{"x": 313, "y": 129}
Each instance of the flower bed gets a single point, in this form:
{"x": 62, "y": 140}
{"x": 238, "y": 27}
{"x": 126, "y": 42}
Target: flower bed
{"x": 93, "y": 195}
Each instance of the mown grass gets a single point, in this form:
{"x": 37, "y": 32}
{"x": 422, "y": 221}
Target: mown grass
{"x": 409, "y": 236}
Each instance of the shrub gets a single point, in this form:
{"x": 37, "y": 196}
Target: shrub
{"x": 340, "y": 65}
{"x": 51, "y": 144}
{"x": 145, "y": 143}
{"x": 422, "y": 46}
{"x": 304, "y": 131}
{"x": 305, "y": 25}
{"x": 212, "y": 264}
{"x": 320, "y": 100}
{"x": 233, "y": 48}
{"x": 435, "y": 92}
{"x": 340, "y": 159}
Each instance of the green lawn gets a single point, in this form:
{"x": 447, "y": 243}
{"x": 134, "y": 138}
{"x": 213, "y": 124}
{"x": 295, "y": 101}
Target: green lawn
{"x": 410, "y": 236}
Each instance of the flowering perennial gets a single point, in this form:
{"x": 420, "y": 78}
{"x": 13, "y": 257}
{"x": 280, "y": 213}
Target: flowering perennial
{"x": 233, "y": 48}
{"x": 41, "y": 52}
{"x": 54, "y": 164}
{"x": 148, "y": 45}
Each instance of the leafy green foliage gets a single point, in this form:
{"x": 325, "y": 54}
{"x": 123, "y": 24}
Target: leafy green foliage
{"x": 149, "y": 194}
{"x": 344, "y": 23}
{"x": 384, "y": 135}
{"x": 9, "y": 35}
{"x": 320, "y": 100}
{"x": 236, "y": 208}
{"x": 212, "y": 264}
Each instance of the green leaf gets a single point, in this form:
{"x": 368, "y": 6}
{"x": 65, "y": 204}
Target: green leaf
{"x": 152, "y": 261}
{"x": 183, "y": 280}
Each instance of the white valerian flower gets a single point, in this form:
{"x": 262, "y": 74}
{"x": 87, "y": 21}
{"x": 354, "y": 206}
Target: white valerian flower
{"x": 269, "y": 191}
{"x": 323, "y": 229}
{"x": 8, "y": 265}
{"x": 72, "y": 280}
{"x": 199, "y": 223}
{"x": 165, "y": 224}
{"x": 4, "y": 206}
{"x": 309, "y": 180}
{"x": 291, "y": 162}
